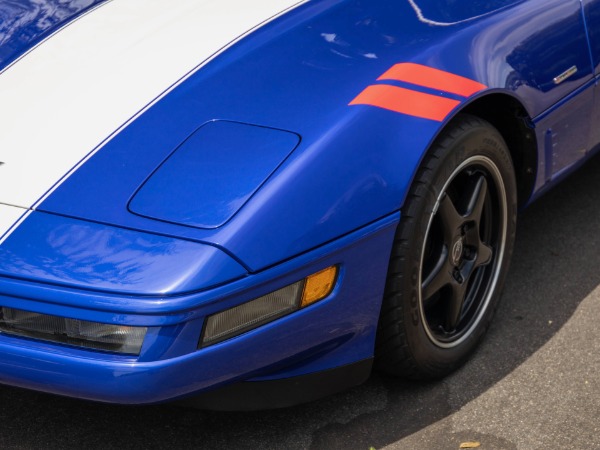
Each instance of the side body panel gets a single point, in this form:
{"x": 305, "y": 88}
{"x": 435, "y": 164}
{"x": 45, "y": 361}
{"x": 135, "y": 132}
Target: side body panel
{"x": 592, "y": 15}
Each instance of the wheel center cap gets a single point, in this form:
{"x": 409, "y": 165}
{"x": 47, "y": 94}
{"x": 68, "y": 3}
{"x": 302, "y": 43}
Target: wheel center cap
{"x": 457, "y": 251}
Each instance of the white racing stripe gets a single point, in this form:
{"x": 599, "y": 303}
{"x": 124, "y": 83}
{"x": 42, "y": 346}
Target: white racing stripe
{"x": 10, "y": 217}
{"x": 64, "y": 98}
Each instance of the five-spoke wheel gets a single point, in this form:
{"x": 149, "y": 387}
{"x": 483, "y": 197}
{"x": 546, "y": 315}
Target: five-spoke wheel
{"x": 450, "y": 254}
{"x": 464, "y": 242}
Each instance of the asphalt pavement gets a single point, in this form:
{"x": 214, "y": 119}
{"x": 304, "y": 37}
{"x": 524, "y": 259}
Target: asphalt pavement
{"x": 532, "y": 384}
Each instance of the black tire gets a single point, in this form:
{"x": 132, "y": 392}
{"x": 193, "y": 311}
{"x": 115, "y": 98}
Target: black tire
{"x": 450, "y": 254}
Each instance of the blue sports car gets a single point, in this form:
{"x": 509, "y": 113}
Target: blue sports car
{"x": 252, "y": 204}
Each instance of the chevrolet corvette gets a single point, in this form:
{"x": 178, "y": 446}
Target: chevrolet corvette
{"x": 248, "y": 205}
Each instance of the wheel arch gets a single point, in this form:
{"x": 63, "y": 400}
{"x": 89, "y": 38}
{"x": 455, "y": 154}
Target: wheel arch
{"x": 508, "y": 115}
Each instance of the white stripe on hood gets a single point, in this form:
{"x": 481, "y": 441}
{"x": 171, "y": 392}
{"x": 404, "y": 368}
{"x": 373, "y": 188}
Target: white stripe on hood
{"x": 68, "y": 95}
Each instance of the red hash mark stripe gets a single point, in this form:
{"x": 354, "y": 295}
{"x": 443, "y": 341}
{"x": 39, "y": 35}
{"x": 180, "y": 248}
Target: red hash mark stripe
{"x": 414, "y": 103}
{"x": 433, "y": 78}
{"x": 405, "y": 101}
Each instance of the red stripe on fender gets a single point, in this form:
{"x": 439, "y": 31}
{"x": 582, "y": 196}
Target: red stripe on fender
{"x": 405, "y": 101}
{"x": 433, "y": 78}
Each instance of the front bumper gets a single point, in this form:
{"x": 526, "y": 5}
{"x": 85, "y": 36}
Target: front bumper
{"x": 335, "y": 332}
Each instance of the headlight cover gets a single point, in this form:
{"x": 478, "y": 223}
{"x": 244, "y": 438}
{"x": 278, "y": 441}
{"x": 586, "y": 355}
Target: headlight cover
{"x": 78, "y": 333}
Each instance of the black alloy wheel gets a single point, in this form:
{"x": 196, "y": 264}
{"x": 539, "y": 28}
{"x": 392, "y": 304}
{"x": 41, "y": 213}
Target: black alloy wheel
{"x": 450, "y": 254}
{"x": 463, "y": 246}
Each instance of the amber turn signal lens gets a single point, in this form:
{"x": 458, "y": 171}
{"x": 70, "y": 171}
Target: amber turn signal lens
{"x": 250, "y": 315}
{"x": 318, "y": 286}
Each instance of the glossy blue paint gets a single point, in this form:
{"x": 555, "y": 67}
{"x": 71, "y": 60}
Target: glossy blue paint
{"x": 25, "y": 23}
{"x": 592, "y": 15}
{"x": 319, "y": 58}
{"x": 569, "y": 136}
{"x": 87, "y": 255}
{"x": 194, "y": 185}
{"x": 334, "y": 332}
{"x": 334, "y": 199}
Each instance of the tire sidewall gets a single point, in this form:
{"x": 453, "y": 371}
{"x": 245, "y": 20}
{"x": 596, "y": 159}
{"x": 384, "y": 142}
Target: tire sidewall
{"x": 478, "y": 140}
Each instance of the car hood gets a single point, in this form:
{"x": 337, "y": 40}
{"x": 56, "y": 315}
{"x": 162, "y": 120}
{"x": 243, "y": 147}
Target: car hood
{"x": 65, "y": 98}
{"x": 73, "y": 76}
{"x": 242, "y": 136}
